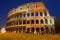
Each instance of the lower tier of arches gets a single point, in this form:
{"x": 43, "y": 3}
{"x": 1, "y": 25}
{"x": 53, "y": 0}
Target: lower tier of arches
{"x": 40, "y": 30}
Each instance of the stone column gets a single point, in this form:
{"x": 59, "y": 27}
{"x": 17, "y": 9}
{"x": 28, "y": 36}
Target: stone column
{"x": 40, "y": 30}
{"x": 18, "y": 30}
{"x": 49, "y": 29}
{"x": 11, "y": 30}
{"x": 18, "y": 23}
{"x": 52, "y": 21}
{"x": 53, "y": 29}
{"x": 44, "y": 30}
{"x": 35, "y": 31}
{"x": 25, "y": 30}
{"x": 44, "y": 21}
{"x": 48, "y": 21}
{"x": 30, "y": 30}
{"x": 21, "y": 30}
{"x": 15, "y": 30}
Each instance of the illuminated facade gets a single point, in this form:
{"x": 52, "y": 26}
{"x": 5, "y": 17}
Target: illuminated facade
{"x": 31, "y": 17}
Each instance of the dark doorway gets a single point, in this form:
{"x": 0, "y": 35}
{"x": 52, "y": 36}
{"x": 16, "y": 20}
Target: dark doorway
{"x": 41, "y": 21}
{"x": 28, "y": 30}
{"x": 47, "y": 29}
{"x": 42, "y": 30}
{"x": 24, "y": 21}
{"x": 28, "y": 22}
{"x": 32, "y": 21}
{"x": 52, "y": 30}
{"x": 37, "y": 21}
{"x": 37, "y": 29}
{"x": 32, "y": 30}
{"x": 16, "y": 30}
{"x": 11, "y": 30}
{"x": 20, "y": 29}
{"x": 23, "y": 29}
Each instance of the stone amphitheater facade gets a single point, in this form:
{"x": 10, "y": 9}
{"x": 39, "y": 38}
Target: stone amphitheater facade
{"x": 31, "y": 17}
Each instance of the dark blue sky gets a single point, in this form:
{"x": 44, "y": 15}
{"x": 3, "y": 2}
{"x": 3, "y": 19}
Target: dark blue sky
{"x": 6, "y": 5}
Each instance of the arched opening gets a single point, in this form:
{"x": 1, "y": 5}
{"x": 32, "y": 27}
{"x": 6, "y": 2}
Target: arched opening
{"x": 11, "y": 30}
{"x": 28, "y": 14}
{"x": 20, "y": 29}
{"x": 52, "y": 30}
{"x": 16, "y": 30}
{"x": 37, "y": 21}
{"x": 24, "y": 21}
{"x": 23, "y": 29}
{"x": 28, "y": 22}
{"x": 24, "y": 14}
{"x": 47, "y": 29}
{"x": 20, "y": 22}
{"x": 42, "y": 30}
{"x": 32, "y": 21}
{"x": 20, "y": 15}
{"x": 32, "y": 14}
{"x": 11, "y": 23}
{"x": 17, "y": 23}
{"x": 41, "y": 21}
{"x": 17, "y": 16}
{"x": 32, "y": 30}
{"x": 46, "y": 21}
{"x": 36, "y": 13}
{"x": 45, "y": 14}
{"x": 50, "y": 21}
{"x": 28, "y": 30}
{"x": 37, "y": 29}
{"x": 41, "y": 14}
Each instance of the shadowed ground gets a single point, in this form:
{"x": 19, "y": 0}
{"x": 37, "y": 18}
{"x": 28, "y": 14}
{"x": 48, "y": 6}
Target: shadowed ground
{"x": 26, "y": 36}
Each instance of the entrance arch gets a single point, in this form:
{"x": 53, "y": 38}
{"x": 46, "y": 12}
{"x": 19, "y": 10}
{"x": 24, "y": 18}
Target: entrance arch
{"x": 52, "y": 30}
{"x": 16, "y": 30}
{"x": 28, "y": 30}
{"x": 20, "y": 29}
{"x": 23, "y": 29}
{"x": 42, "y": 30}
{"x": 32, "y": 30}
{"x": 47, "y": 29}
{"x": 37, "y": 29}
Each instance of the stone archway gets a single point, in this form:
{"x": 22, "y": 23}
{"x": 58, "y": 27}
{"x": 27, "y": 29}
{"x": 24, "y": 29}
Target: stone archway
{"x": 42, "y": 30}
{"x": 52, "y": 30}
{"x": 47, "y": 30}
{"x": 10, "y": 30}
{"x": 32, "y": 30}
{"x": 37, "y": 21}
{"x": 23, "y": 29}
{"x": 28, "y": 30}
{"x": 37, "y": 29}
{"x": 16, "y": 30}
{"x": 20, "y": 29}
{"x": 32, "y": 21}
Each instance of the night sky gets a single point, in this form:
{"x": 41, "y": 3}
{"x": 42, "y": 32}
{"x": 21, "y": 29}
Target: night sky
{"x": 6, "y": 5}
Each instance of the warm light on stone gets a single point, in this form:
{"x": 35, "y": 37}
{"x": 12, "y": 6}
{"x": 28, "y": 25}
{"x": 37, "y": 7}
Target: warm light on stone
{"x": 31, "y": 17}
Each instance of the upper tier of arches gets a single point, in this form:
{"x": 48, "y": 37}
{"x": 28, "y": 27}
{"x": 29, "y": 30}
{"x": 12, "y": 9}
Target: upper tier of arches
{"x": 29, "y": 7}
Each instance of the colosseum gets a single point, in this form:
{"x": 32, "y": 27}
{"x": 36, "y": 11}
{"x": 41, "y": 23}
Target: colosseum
{"x": 30, "y": 17}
